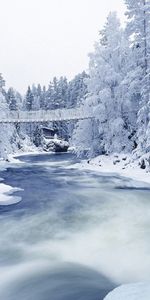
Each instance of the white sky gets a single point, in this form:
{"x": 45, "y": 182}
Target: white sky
{"x": 40, "y": 39}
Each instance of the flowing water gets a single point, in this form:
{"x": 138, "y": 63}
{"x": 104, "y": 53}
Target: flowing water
{"x": 75, "y": 235}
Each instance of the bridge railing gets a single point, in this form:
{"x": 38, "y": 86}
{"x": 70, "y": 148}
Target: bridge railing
{"x": 45, "y": 115}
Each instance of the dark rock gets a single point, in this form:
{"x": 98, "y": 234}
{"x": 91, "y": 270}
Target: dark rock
{"x": 116, "y": 161}
{"x": 142, "y": 164}
{"x": 124, "y": 158}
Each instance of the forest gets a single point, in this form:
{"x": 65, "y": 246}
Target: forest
{"x": 116, "y": 87}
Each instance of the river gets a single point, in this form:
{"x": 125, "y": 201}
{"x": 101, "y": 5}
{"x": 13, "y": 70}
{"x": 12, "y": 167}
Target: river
{"x": 75, "y": 235}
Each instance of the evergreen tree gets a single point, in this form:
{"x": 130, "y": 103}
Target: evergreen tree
{"x": 2, "y": 82}
{"x": 43, "y": 99}
{"x": 107, "y": 71}
{"x": 77, "y": 89}
{"x": 8, "y": 135}
{"x": 36, "y": 92}
{"x": 138, "y": 28}
{"x": 29, "y": 99}
{"x": 62, "y": 92}
{"x": 50, "y": 99}
{"x": 11, "y": 99}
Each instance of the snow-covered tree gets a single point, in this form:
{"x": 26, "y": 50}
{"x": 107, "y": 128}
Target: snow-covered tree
{"x": 107, "y": 70}
{"x": 2, "y": 82}
{"x": 11, "y": 99}
{"x": 138, "y": 29}
{"x": 62, "y": 92}
{"x": 29, "y": 99}
{"x": 77, "y": 89}
{"x": 9, "y": 139}
{"x": 43, "y": 104}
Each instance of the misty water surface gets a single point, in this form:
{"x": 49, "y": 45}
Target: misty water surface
{"x": 75, "y": 234}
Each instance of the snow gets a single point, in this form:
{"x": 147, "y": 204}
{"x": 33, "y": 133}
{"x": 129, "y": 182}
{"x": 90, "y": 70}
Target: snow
{"x": 122, "y": 164}
{"x": 6, "y": 197}
{"x": 57, "y": 141}
{"x": 6, "y": 191}
{"x": 136, "y": 291}
{"x": 14, "y": 158}
{"x": 55, "y": 145}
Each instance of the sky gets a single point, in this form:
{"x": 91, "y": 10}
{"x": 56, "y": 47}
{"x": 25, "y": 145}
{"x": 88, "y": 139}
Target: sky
{"x": 40, "y": 39}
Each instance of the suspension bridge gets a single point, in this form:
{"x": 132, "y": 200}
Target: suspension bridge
{"x": 41, "y": 116}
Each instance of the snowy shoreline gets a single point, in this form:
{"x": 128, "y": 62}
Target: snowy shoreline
{"x": 6, "y": 191}
{"x": 135, "y": 291}
{"x": 121, "y": 164}
{"x": 6, "y": 195}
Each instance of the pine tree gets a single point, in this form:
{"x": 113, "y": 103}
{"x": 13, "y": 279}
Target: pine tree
{"x": 2, "y": 82}
{"x": 50, "y": 98}
{"x": 29, "y": 99}
{"x": 36, "y": 92}
{"x": 43, "y": 99}
{"x": 77, "y": 89}
{"x": 11, "y": 99}
{"x": 8, "y": 134}
{"x": 138, "y": 28}
{"x": 62, "y": 92}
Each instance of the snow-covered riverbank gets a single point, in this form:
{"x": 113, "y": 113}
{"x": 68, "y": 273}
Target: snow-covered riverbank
{"x": 120, "y": 164}
{"x": 136, "y": 291}
{"x": 6, "y": 197}
{"x": 123, "y": 165}
{"x": 6, "y": 191}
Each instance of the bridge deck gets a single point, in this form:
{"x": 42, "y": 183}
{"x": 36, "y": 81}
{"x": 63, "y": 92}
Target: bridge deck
{"x": 40, "y": 116}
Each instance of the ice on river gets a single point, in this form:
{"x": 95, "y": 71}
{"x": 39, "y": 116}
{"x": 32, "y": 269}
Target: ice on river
{"x": 6, "y": 197}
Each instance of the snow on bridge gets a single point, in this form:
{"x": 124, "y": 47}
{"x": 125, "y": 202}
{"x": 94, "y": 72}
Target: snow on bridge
{"x": 40, "y": 116}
